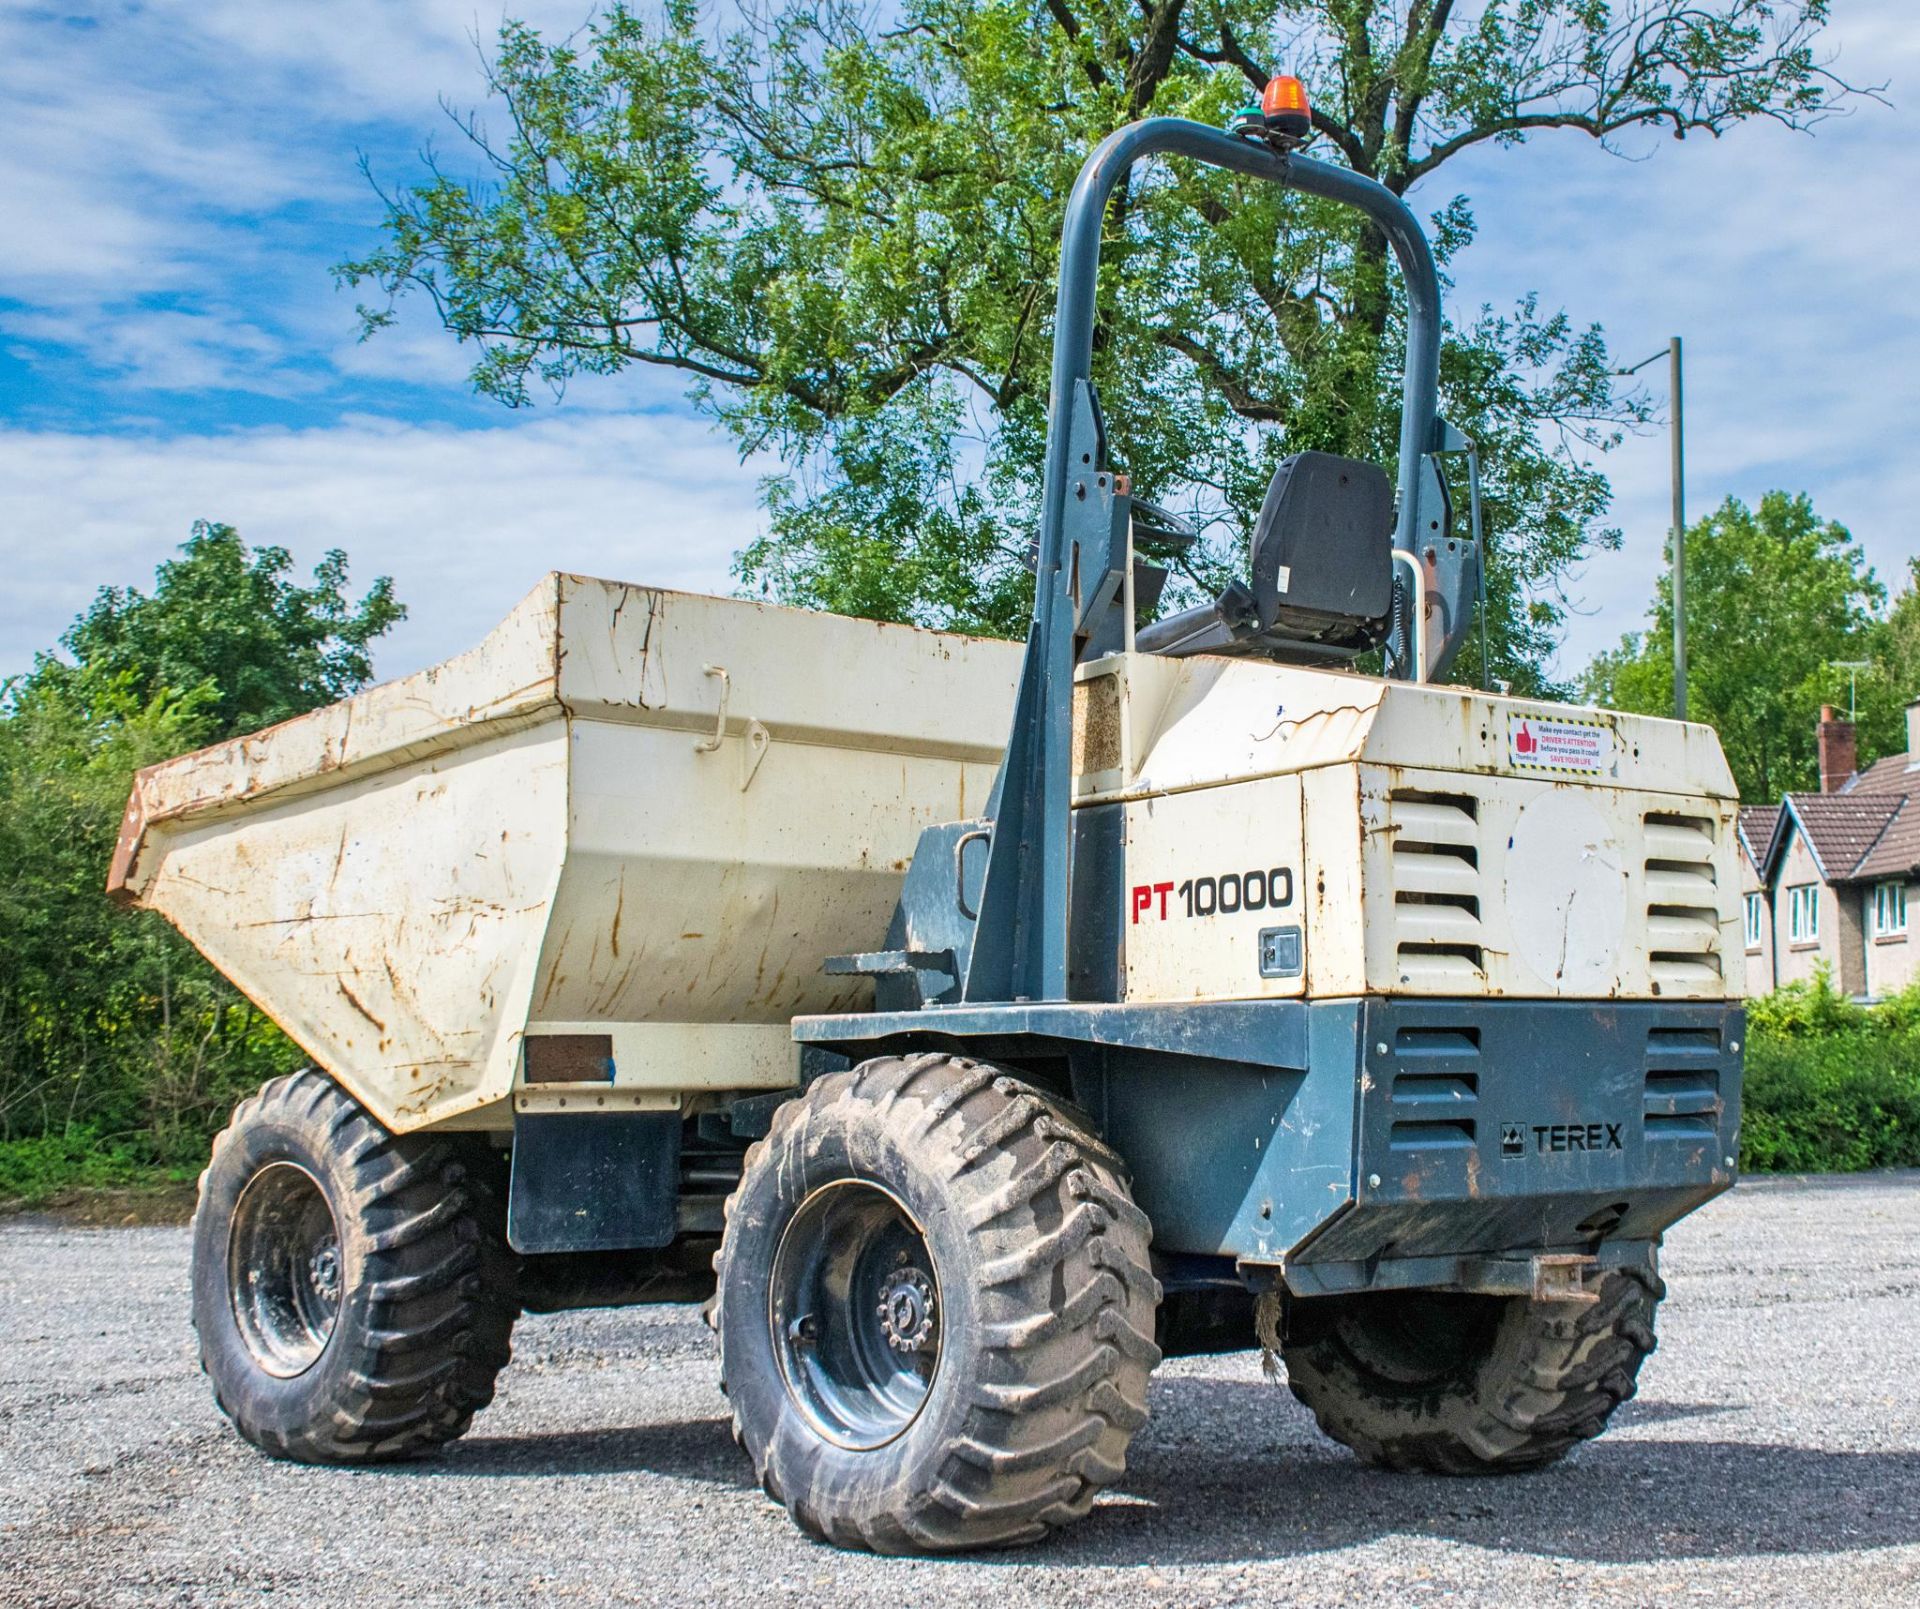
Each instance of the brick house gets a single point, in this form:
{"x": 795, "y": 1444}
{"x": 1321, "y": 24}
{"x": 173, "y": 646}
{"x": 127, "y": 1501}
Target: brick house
{"x": 1827, "y": 875}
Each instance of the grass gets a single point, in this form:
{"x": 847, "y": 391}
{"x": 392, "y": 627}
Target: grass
{"x": 68, "y": 1171}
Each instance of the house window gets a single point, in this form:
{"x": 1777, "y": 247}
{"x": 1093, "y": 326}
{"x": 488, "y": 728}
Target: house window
{"x": 1755, "y": 921}
{"x": 1889, "y": 909}
{"x": 1803, "y": 913}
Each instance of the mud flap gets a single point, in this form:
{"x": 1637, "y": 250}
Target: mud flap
{"x": 593, "y": 1181}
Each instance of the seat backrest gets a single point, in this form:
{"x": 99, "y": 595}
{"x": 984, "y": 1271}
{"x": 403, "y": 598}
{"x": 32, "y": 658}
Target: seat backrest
{"x": 1323, "y": 553}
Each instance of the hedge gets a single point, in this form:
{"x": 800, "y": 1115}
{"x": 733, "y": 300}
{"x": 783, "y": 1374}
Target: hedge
{"x": 1831, "y": 1087}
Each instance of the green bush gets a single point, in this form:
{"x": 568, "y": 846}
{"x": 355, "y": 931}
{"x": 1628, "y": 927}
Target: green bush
{"x": 1831, "y": 1086}
{"x": 121, "y": 1050}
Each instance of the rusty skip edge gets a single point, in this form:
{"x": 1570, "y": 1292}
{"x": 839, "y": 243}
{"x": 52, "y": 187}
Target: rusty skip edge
{"x": 438, "y": 709}
{"x": 127, "y": 876}
{"x": 378, "y": 728}
{"x": 133, "y": 830}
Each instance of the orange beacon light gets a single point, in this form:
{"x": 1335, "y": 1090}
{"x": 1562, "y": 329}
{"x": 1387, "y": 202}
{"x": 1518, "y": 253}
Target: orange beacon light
{"x": 1283, "y": 106}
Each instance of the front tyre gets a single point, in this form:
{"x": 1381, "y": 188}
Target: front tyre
{"x": 351, "y": 1291}
{"x": 1469, "y": 1385}
{"x": 935, "y": 1309}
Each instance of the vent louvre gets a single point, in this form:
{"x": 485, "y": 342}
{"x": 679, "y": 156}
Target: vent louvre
{"x": 1435, "y": 1089}
{"x": 1437, "y": 1135}
{"x": 1682, "y": 1091}
{"x": 1430, "y": 1041}
{"x": 1683, "y": 902}
{"x": 1682, "y": 1094}
{"x": 1661, "y": 1126}
{"x": 1436, "y": 884}
{"x": 1683, "y": 1042}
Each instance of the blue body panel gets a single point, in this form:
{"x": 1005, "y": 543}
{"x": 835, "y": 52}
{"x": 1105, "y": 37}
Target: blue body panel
{"x": 1340, "y": 1135}
{"x": 1260, "y": 1033}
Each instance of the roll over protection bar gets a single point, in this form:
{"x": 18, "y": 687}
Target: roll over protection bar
{"x": 1020, "y": 942}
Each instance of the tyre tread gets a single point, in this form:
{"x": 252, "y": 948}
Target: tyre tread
{"x": 1067, "y": 1382}
{"x": 437, "y": 1330}
{"x": 1576, "y": 1364}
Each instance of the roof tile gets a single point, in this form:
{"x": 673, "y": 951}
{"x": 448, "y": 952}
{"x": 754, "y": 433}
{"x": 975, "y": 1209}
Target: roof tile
{"x": 1894, "y": 774}
{"x": 1897, "y": 853}
{"x": 1756, "y": 830}
{"x": 1843, "y": 827}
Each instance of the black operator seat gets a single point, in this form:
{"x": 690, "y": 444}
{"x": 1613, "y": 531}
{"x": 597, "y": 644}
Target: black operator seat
{"x": 1322, "y": 581}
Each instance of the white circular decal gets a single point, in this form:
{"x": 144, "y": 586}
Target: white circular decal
{"x": 1566, "y": 893}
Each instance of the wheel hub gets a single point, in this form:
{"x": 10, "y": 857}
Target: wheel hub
{"x": 854, "y": 1311}
{"x": 906, "y": 1309}
{"x": 284, "y": 1275}
{"x": 323, "y": 1273}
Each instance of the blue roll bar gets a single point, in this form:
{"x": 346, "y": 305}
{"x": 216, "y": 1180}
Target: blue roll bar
{"x": 1020, "y": 942}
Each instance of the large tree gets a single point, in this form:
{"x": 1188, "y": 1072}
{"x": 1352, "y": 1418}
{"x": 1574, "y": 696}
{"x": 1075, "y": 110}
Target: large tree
{"x": 1896, "y": 664}
{"x": 1779, "y": 601}
{"x": 840, "y": 222}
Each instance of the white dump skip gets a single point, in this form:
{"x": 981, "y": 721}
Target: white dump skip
{"x": 628, "y": 812}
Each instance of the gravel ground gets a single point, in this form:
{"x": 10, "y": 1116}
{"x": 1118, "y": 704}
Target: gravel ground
{"x": 1773, "y": 1456}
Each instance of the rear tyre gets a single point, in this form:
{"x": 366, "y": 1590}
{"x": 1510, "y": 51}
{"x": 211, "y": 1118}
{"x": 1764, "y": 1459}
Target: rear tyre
{"x": 1469, "y": 1385}
{"x": 935, "y": 1309}
{"x": 352, "y": 1289}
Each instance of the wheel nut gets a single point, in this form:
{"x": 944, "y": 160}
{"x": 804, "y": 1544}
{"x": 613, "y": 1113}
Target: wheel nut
{"x": 906, "y": 1310}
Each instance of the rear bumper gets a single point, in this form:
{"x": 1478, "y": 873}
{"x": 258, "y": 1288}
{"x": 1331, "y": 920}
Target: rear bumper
{"x": 1426, "y": 1134}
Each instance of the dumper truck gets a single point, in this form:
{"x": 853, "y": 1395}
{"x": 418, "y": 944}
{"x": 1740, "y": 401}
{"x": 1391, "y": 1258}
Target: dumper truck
{"x": 969, "y": 1024}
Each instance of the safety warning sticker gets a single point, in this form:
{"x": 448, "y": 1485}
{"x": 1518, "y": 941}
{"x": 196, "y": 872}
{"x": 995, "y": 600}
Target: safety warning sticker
{"x": 1567, "y": 748}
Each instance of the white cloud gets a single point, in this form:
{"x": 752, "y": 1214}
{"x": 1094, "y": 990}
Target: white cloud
{"x": 156, "y": 148}
{"x": 149, "y": 147}
{"x": 373, "y": 58}
{"x": 1783, "y": 261}
{"x": 117, "y": 137}
{"x": 166, "y": 350}
{"x": 464, "y": 520}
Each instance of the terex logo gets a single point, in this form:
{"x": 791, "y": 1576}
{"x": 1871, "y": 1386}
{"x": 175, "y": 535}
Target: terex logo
{"x": 1575, "y": 1136}
{"x": 1559, "y": 1137}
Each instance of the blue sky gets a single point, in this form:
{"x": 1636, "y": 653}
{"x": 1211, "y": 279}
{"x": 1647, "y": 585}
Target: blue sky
{"x": 176, "y": 179}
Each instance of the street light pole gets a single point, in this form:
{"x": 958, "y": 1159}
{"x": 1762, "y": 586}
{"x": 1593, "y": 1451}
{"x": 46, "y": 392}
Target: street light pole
{"x": 1679, "y": 535}
{"x": 1679, "y": 558}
